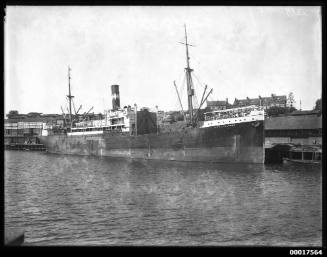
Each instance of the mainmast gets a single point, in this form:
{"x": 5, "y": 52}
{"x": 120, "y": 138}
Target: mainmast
{"x": 190, "y": 90}
{"x": 69, "y": 98}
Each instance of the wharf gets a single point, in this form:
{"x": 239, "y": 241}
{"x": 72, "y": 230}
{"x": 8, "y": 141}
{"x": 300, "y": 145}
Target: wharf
{"x": 28, "y": 147}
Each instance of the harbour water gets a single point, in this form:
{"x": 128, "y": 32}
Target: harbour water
{"x": 76, "y": 200}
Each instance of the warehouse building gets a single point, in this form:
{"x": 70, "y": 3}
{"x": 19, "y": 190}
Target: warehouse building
{"x": 300, "y": 127}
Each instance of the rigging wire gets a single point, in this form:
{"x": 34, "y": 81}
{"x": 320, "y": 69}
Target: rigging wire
{"x": 198, "y": 80}
{"x": 202, "y": 85}
{"x": 181, "y": 92}
{"x": 182, "y": 87}
{"x": 64, "y": 107}
{"x": 196, "y": 102}
{"x": 177, "y": 104}
{"x": 222, "y": 77}
{"x": 180, "y": 77}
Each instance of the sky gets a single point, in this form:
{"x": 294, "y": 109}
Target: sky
{"x": 239, "y": 52}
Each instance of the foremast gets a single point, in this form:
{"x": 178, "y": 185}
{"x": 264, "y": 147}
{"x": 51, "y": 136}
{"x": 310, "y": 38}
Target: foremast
{"x": 70, "y": 97}
{"x": 189, "y": 82}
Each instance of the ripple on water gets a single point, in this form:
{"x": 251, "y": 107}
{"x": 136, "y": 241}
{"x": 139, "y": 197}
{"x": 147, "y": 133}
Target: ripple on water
{"x": 74, "y": 200}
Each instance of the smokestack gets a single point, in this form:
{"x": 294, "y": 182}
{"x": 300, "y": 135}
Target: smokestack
{"x": 115, "y": 97}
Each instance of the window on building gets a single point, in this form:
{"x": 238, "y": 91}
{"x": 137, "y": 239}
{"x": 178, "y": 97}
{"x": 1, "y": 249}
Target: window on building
{"x": 307, "y": 155}
{"x": 317, "y": 156}
{"x": 296, "y": 155}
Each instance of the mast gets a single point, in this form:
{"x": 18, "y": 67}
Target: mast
{"x": 190, "y": 90}
{"x": 70, "y": 98}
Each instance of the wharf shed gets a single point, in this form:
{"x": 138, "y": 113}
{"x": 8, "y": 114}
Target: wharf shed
{"x": 301, "y": 128}
{"x": 26, "y": 129}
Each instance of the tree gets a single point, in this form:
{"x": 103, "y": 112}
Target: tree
{"x": 277, "y": 110}
{"x": 318, "y": 105}
{"x": 291, "y": 99}
{"x": 13, "y": 112}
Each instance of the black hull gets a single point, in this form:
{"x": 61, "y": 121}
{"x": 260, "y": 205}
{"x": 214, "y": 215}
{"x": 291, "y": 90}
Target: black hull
{"x": 240, "y": 143}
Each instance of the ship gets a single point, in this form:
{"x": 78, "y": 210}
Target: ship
{"x": 233, "y": 135}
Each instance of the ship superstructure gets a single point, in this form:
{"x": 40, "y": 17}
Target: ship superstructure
{"x": 122, "y": 120}
{"x": 229, "y": 117}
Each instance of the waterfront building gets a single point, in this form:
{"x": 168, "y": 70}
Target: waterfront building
{"x": 266, "y": 102}
{"x": 218, "y": 105}
{"x": 25, "y": 128}
{"x": 300, "y": 127}
{"x": 22, "y": 132}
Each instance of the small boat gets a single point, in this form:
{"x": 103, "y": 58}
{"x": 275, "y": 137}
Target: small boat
{"x": 304, "y": 155}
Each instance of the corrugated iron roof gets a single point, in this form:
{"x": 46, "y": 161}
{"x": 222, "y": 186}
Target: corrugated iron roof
{"x": 34, "y": 119}
{"x": 293, "y": 122}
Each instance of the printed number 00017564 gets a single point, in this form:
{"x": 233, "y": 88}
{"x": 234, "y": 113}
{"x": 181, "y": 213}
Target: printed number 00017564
{"x": 305, "y": 252}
